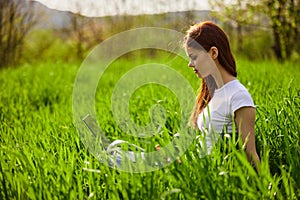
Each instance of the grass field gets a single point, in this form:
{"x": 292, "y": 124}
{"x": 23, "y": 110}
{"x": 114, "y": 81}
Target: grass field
{"x": 42, "y": 156}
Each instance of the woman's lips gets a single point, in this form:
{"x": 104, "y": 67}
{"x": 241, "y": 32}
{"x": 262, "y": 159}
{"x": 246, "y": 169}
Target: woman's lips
{"x": 196, "y": 72}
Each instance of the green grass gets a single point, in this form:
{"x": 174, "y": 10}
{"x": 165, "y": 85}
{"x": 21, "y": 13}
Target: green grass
{"x": 42, "y": 156}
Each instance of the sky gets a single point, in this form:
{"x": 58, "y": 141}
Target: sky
{"x": 99, "y": 8}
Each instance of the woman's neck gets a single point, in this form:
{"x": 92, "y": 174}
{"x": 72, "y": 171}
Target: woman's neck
{"x": 221, "y": 76}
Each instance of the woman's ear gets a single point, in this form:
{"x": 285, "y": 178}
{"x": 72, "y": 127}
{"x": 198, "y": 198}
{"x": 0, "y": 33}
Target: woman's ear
{"x": 213, "y": 52}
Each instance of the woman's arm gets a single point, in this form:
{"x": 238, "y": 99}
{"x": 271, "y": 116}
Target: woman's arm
{"x": 245, "y": 122}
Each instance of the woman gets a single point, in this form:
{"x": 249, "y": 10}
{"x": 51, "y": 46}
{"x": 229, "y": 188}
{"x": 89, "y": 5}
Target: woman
{"x": 222, "y": 97}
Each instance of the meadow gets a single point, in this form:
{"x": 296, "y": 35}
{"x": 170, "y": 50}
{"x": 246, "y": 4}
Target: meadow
{"x": 43, "y": 157}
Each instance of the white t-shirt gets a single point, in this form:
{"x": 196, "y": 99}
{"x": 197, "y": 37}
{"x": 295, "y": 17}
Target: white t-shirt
{"x": 218, "y": 115}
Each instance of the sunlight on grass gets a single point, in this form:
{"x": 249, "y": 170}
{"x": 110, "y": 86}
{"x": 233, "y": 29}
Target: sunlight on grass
{"x": 42, "y": 156}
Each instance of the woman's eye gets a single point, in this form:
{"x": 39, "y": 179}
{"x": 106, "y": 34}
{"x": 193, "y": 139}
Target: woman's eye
{"x": 194, "y": 57}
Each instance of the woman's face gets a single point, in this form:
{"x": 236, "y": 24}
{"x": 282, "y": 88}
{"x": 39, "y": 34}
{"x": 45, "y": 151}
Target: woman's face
{"x": 200, "y": 61}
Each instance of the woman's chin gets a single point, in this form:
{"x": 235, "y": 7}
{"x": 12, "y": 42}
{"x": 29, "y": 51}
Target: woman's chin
{"x": 199, "y": 75}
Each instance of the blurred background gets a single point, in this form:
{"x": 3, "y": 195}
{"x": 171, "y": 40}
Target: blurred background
{"x": 33, "y": 31}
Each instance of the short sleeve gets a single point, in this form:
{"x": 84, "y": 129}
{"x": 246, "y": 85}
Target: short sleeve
{"x": 241, "y": 99}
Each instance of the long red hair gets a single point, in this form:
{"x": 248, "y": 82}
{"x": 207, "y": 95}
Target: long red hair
{"x": 206, "y": 35}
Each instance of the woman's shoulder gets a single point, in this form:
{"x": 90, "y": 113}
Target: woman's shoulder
{"x": 239, "y": 96}
{"x": 231, "y": 88}
{"x": 236, "y": 84}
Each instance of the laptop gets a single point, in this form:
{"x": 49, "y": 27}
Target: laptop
{"x": 113, "y": 148}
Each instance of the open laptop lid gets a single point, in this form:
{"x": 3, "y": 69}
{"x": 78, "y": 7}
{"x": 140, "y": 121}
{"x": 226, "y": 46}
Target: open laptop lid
{"x": 92, "y": 125}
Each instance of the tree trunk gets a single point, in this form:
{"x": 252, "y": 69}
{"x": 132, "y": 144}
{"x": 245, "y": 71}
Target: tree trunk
{"x": 239, "y": 37}
{"x": 277, "y": 44}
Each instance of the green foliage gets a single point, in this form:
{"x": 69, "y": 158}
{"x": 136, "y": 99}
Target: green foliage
{"x": 42, "y": 157}
{"x": 45, "y": 45}
{"x": 285, "y": 22}
{"x": 249, "y": 31}
{"x": 257, "y": 45}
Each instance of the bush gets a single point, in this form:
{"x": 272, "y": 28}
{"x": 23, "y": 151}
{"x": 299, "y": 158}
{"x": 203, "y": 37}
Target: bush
{"x": 44, "y": 45}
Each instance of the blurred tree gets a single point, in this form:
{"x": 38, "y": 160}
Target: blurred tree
{"x": 285, "y": 22}
{"x": 85, "y": 32}
{"x": 16, "y": 20}
{"x": 283, "y": 18}
{"x": 77, "y": 25}
{"x": 239, "y": 13}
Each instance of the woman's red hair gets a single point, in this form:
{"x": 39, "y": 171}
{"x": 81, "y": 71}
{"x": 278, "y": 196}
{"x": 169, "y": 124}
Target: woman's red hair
{"x": 206, "y": 35}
